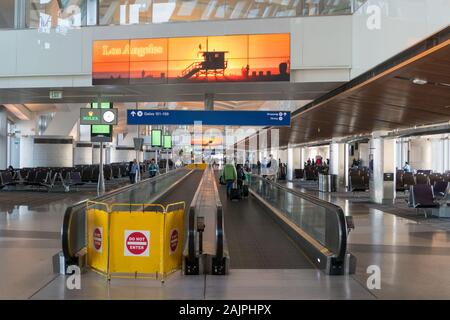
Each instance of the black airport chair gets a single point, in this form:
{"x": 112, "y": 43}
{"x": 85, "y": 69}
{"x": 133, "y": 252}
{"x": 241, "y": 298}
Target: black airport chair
{"x": 298, "y": 173}
{"x": 423, "y": 198}
{"x": 86, "y": 175}
{"x": 422, "y": 178}
{"x": 357, "y": 183}
{"x": 440, "y": 189}
{"x": 399, "y": 183}
{"x": 6, "y": 179}
{"x": 408, "y": 180}
{"x": 75, "y": 179}
{"x": 435, "y": 177}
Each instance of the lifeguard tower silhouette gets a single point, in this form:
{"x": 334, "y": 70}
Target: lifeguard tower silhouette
{"x": 213, "y": 63}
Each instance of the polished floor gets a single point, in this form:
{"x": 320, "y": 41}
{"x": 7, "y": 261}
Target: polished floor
{"x": 413, "y": 254}
{"x": 29, "y": 237}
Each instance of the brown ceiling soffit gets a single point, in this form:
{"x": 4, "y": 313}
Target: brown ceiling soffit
{"x": 415, "y": 53}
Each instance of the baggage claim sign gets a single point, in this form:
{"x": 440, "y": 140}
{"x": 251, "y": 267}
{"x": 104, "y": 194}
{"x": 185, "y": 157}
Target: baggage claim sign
{"x": 236, "y": 58}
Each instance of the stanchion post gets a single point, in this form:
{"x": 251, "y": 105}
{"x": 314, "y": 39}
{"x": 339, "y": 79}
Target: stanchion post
{"x": 101, "y": 178}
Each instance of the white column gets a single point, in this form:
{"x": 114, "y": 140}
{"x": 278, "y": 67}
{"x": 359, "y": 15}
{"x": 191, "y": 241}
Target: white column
{"x": 383, "y": 155}
{"x": 3, "y": 138}
{"x": 447, "y": 153}
{"x": 339, "y": 163}
{"x": 290, "y": 163}
{"x": 302, "y": 158}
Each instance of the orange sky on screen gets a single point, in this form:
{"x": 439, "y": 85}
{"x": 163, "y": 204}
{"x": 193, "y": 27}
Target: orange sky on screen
{"x": 151, "y": 55}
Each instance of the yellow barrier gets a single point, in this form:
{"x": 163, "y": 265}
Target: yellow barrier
{"x": 200, "y": 166}
{"x": 139, "y": 241}
{"x": 97, "y": 236}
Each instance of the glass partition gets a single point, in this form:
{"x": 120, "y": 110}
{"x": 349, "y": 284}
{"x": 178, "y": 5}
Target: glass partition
{"x": 7, "y": 14}
{"x": 65, "y": 14}
{"x": 322, "y": 221}
{"x": 60, "y": 14}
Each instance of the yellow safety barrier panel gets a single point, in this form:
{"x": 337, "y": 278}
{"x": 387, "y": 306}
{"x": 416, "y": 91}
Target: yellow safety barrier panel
{"x": 200, "y": 166}
{"x": 137, "y": 240}
{"x": 97, "y": 235}
{"x": 174, "y": 237}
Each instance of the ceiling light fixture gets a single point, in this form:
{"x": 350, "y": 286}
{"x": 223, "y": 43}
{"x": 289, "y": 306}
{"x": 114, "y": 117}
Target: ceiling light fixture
{"x": 419, "y": 81}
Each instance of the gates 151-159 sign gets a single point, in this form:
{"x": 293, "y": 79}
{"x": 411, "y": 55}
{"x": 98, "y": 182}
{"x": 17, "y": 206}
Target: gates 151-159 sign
{"x": 237, "y": 58}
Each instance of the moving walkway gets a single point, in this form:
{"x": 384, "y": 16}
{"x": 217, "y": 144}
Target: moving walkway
{"x": 275, "y": 228}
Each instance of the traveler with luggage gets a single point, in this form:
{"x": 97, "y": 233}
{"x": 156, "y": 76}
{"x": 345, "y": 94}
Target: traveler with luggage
{"x": 134, "y": 171}
{"x": 240, "y": 175}
{"x": 229, "y": 176}
{"x": 153, "y": 168}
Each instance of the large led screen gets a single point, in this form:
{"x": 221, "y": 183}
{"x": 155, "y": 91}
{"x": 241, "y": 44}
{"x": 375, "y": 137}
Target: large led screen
{"x": 253, "y": 58}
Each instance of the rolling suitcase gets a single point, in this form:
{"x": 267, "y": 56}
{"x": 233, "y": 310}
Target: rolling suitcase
{"x": 235, "y": 193}
{"x": 245, "y": 191}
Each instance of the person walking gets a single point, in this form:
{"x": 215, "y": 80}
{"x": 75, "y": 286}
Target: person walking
{"x": 134, "y": 170}
{"x": 229, "y": 176}
{"x": 153, "y": 168}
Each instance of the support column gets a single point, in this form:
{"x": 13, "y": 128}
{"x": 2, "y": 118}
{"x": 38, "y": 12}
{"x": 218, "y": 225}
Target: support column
{"x": 382, "y": 169}
{"x": 302, "y": 158}
{"x": 93, "y": 13}
{"x": 3, "y": 138}
{"x": 339, "y": 164}
{"x": 209, "y": 101}
{"x": 290, "y": 163}
{"x": 21, "y": 11}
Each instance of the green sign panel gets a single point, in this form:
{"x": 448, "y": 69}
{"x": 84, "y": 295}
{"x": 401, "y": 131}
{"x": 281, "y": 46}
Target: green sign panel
{"x": 90, "y": 116}
{"x": 156, "y": 138}
{"x": 167, "y": 142}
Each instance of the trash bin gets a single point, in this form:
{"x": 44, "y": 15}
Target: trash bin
{"x": 327, "y": 182}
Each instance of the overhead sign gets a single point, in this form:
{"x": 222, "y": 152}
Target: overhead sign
{"x": 233, "y": 58}
{"x": 56, "y": 95}
{"x": 89, "y": 116}
{"x": 220, "y": 118}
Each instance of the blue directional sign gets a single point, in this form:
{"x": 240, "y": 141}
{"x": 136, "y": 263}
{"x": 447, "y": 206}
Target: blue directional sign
{"x": 217, "y": 118}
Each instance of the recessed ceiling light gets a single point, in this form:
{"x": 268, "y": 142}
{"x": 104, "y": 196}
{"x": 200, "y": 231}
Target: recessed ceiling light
{"x": 419, "y": 81}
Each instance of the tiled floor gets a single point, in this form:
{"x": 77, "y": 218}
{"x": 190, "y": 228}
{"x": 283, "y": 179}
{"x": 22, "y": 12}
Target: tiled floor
{"x": 413, "y": 253}
{"x": 29, "y": 237}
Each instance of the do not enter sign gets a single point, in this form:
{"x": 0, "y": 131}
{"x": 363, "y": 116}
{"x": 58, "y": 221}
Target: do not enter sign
{"x": 173, "y": 240}
{"x": 97, "y": 237}
{"x": 137, "y": 243}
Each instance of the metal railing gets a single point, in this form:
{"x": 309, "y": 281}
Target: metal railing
{"x": 73, "y": 232}
{"x": 320, "y": 226}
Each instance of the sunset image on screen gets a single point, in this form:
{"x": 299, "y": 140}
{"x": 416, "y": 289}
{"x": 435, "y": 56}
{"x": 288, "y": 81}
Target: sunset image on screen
{"x": 236, "y": 58}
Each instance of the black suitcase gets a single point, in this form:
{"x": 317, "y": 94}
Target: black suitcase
{"x": 245, "y": 191}
{"x": 235, "y": 193}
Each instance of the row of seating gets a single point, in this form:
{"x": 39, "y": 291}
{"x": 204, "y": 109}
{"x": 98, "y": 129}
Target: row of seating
{"x": 425, "y": 196}
{"x": 50, "y": 178}
{"x": 404, "y": 180}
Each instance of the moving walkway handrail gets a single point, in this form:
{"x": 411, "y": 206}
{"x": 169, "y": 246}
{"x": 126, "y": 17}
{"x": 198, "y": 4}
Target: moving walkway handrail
{"x": 68, "y": 238}
{"x": 340, "y": 255}
{"x": 191, "y": 223}
{"x": 220, "y": 233}
{"x": 219, "y": 253}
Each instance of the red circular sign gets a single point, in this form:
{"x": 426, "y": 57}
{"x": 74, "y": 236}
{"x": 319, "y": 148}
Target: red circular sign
{"x": 173, "y": 240}
{"x": 97, "y": 239}
{"x": 137, "y": 243}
